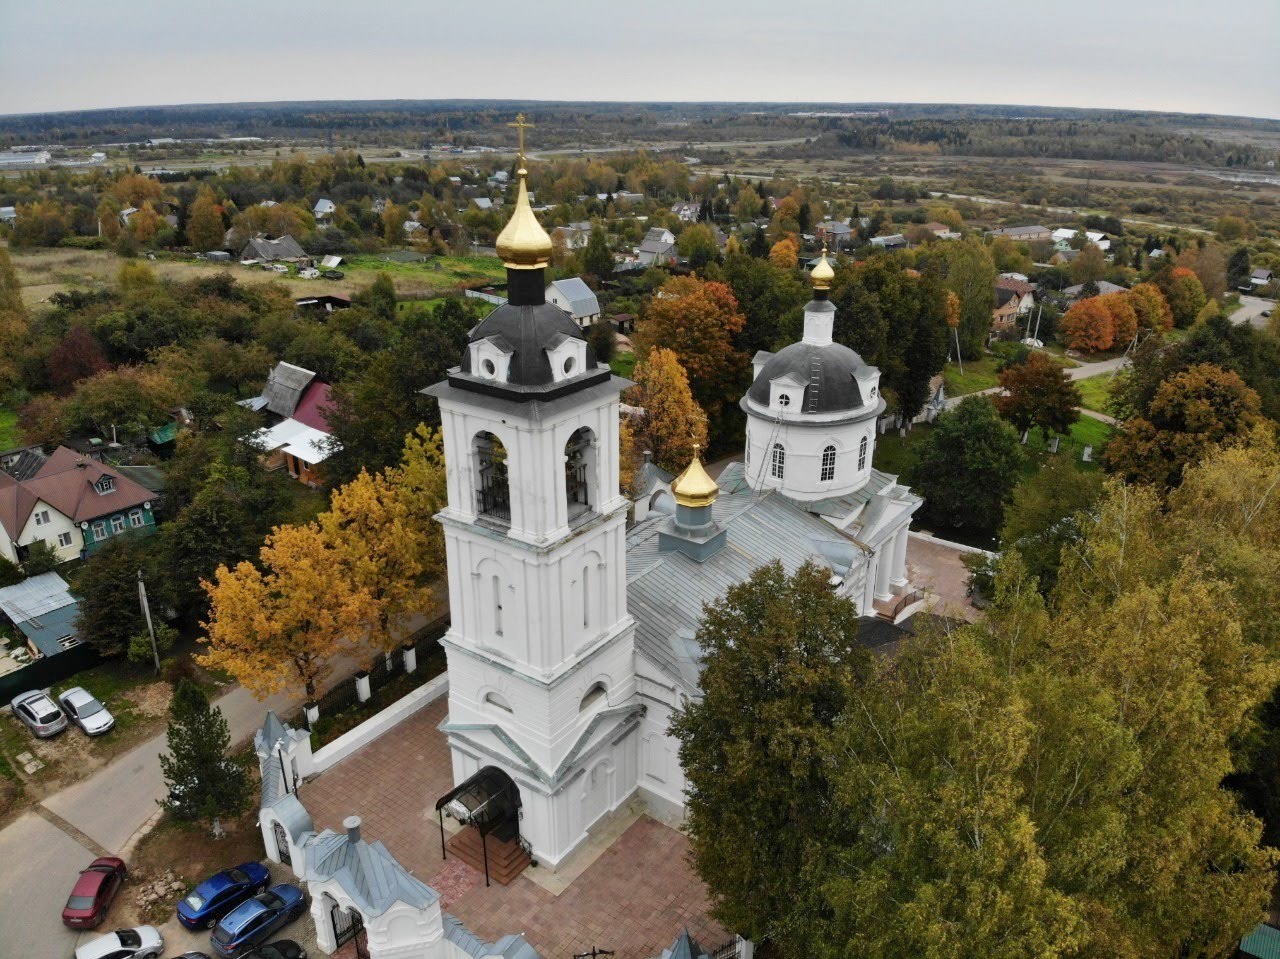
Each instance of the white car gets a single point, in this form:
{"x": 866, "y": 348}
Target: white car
{"x": 141, "y": 942}
{"x": 85, "y": 711}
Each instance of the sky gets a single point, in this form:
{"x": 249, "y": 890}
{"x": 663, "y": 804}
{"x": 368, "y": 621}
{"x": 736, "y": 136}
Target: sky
{"x": 1171, "y": 55}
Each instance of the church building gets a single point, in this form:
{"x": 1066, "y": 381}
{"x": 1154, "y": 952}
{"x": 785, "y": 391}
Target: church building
{"x": 573, "y": 635}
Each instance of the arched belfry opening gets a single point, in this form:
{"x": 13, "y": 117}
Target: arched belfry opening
{"x": 580, "y": 490}
{"x": 493, "y": 488}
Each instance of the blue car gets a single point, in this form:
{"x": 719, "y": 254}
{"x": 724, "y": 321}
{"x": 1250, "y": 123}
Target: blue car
{"x": 220, "y": 893}
{"x": 251, "y": 922}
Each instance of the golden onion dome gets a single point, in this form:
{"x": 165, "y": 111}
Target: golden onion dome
{"x": 822, "y": 274}
{"x": 695, "y": 487}
{"x": 523, "y": 244}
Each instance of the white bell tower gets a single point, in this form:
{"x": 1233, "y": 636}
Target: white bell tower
{"x": 540, "y": 649}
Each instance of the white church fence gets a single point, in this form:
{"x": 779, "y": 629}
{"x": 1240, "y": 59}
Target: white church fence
{"x": 376, "y": 725}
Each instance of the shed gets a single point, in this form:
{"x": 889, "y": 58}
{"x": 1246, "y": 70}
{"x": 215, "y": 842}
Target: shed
{"x": 1262, "y": 943}
{"x": 44, "y": 611}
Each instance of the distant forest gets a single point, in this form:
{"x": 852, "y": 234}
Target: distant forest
{"x": 996, "y": 131}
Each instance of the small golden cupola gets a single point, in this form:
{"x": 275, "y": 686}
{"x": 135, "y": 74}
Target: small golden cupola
{"x": 694, "y": 488}
{"x": 523, "y": 244}
{"x": 822, "y": 273}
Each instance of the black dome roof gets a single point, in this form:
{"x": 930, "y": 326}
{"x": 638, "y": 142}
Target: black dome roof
{"x": 528, "y": 331}
{"x": 831, "y": 367}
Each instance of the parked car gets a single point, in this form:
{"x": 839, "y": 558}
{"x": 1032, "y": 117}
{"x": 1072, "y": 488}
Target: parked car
{"x": 280, "y": 949}
{"x": 251, "y": 922}
{"x": 85, "y": 711}
{"x": 40, "y": 714}
{"x": 222, "y": 892}
{"x": 333, "y": 274}
{"x": 92, "y": 894}
{"x": 141, "y": 942}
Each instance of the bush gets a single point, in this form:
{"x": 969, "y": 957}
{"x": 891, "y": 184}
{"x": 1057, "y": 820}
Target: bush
{"x": 42, "y": 557}
{"x": 139, "y": 650}
{"x": 10, "y": 573}
{"x": 85, "y": 242}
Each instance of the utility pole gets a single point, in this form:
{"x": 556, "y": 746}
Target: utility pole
{"x": 146, "y": 614}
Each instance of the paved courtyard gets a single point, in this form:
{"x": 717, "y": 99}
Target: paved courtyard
{"x": 634, "y": 898}
{"x": 938, "y": 568}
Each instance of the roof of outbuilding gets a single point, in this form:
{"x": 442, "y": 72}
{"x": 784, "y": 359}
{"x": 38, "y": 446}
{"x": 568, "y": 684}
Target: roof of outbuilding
{"x": 582, "y": 301}
{"x": 285, "y": 385}
{"x": 828, "y": 373}
{"x": 367, "y": 872}
{"x": 281, "y": 248}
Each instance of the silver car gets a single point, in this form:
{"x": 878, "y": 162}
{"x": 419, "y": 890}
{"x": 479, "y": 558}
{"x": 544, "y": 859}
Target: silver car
{"x": 39, "y": 713}
{"x": 85, "y": 711}
{"x": 141, "y": 942}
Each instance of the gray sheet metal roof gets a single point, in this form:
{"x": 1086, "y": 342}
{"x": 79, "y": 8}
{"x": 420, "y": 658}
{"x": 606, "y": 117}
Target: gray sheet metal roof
{"x": 582, "y": 302}
{"x": 667, "y": 591}
{"x": 35, "y": 596}
{"x": 509, "y": 947}
{"x": 367, "y": 872}
{"x": 47, "y": 631}
{"x": 284, "y": 388}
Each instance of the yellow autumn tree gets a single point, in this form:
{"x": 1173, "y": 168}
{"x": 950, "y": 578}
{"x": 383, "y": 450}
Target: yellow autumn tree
{"x": 145, "y": 223}
{"x": 785, "y": 254}
{"x": 205, "y": 229}
{"x": 287, "y": 621}
{"x": 13, "y": 322}
{"x": 672, "y": 422}
{"x": 388, "y": 543}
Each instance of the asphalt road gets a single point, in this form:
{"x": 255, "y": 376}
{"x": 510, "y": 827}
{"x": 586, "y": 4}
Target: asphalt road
{"x": 1251, "y": 310}
{"x": 39, "y": 860}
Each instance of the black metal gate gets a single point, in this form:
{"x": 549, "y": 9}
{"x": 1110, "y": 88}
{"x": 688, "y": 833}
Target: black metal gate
{"x": 346, "y": 925}
{"x": 282, "y": 842}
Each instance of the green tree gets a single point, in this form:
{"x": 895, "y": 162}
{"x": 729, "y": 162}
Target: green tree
{"x": 1048, "y": 513}
{"x": 771, "y": 299}
{"x": 697, "y": 244}
{"x": 968, "y": 465}
{"x": 202, "y": 782}
{"x": 107, "y": 585}
{"x": 1089, "y": 265}
{"x": 596, "y": 257}
{"x": 42, "y": 556}
{"x": 970, "y": 273}
{"x": 781, "y": 664}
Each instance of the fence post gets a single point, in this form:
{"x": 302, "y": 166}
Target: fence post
{"x": 363, "y": 691}
{"x": 410, "y": 654}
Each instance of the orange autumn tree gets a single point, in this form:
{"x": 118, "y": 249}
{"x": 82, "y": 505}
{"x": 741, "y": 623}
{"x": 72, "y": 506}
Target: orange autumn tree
{"x": 1124, "y": 320}
{"x": 1087, "y": 326}
{"x": 287, "y": 620}
{"x": 785, "y": 254}
{"x": 388, "y": 543}
{"x": 1150, "y": 307}
{"x": 672, "y": 422}
{"x": 697, "y": 321}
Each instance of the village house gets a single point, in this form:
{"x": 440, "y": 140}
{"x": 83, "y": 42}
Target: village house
{"x": 576, "y": 298}
{"x": 299, "y": 438}
{"x": 1019, "y": 292}
{"x": 1023, "y": 234}
{"x": 1063, "y": 236}
{"x": 323, "y": 211}
{"x": 686, "y": 210}
{"x": 73, "y": 503}
{"x": 659, "y": 246}
{"x": 282, "y": 249}
{"x": 1104, "y": 287}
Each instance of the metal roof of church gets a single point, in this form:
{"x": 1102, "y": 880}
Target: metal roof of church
{"x": 368, "y": 873}
{"x": 667, "y": 590}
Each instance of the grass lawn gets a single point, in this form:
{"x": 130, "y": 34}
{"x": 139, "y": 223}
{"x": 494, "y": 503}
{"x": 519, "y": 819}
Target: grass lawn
{"x": 8, "y": 428}
{"x": 1094, "y": 390}
{"x": 895, "y": 454}
{"x": 978, "y": 375}
{"x": 437, "y": 272}
{"x": 624, "y": 364}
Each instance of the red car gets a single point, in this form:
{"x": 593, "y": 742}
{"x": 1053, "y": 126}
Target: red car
{"x": 92, "y": 894}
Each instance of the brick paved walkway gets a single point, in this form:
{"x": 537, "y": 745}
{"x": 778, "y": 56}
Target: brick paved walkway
{"x": 634, "y": 899}
{"x": 939, "y": 569}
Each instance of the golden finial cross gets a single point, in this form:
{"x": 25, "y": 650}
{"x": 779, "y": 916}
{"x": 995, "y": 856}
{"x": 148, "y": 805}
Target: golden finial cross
{"x": 520, "y": 126}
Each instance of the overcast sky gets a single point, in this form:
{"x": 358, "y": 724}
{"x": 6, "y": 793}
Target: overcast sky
{"x": 1177, "y": 55}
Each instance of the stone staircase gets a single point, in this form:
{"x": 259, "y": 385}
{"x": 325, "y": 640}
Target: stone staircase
{"x": 506, "y": 858}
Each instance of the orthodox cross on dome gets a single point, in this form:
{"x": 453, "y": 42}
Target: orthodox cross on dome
{"x": 520, "y": 126}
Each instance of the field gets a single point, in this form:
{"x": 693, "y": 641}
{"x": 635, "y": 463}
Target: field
{"x": 978, "y": 375}
{"x": 47, "y": 271}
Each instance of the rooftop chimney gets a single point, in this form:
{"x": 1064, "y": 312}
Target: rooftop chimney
{"x": 352, "y": 825}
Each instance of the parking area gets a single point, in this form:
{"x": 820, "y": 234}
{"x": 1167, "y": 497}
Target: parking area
{"x": 634, "y": 898}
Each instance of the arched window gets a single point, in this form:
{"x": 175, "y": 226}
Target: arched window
{"x": 862, "y": 455}
{"x": 498, "y": 701}
{"x": 593, "y": 696}
{"x": 779, "y": 463}
{"x": 579, "y": 472}
{"x": 828, "y": 465}
{"x": 493, "y": 493}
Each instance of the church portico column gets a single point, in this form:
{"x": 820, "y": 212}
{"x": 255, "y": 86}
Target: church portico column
{"x": 899, "y": 567}
{"x": 884, "y": 559}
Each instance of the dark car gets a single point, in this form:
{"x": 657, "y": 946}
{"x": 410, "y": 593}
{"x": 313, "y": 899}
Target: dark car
{"x": 332, "y": 274}
{"x": 92, "y": 894}
{"x": 251, "y": 922}
{"x": 220, "y": 893}
{"x": 280, "y": 949}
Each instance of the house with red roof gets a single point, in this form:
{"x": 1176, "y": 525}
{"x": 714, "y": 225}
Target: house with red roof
{"x": 73, "y": 503}
{"x": 298, "y": 437}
